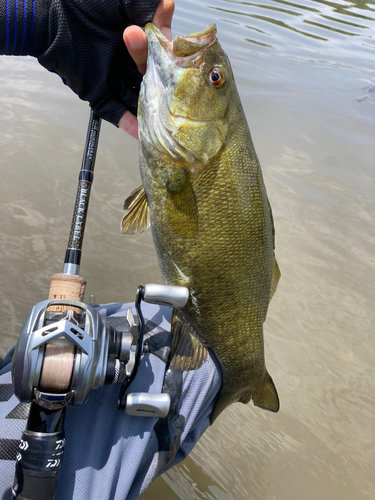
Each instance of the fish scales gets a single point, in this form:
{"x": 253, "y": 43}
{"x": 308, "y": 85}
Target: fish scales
{"x": 210, "y": 217}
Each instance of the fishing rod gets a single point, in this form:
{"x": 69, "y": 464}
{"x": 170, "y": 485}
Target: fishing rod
{"x": 46, "y": 382}
{"x": 66, "y": 349}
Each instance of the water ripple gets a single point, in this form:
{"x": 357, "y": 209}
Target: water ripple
{"x": 309, "y": 24}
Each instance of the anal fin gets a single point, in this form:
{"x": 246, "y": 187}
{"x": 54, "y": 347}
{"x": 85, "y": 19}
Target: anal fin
{"x": 265, "y": 395}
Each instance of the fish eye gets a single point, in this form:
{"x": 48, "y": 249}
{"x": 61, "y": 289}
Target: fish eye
{"x": 216, "y": 78}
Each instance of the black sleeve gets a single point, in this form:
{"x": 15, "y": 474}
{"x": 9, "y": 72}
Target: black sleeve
{"x": 23, "y": 27}
{"x": 80, "y": 40}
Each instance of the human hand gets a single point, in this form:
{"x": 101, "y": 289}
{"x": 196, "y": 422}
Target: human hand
{"x": 82, "y": 42}
{"x": 136, "y": 43}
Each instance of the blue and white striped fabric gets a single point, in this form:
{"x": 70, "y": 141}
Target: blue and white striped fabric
{"x": 110, "y": 455}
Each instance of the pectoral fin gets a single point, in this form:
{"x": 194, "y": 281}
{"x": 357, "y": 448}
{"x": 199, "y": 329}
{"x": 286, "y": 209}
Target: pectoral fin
{"x": 188, "y": 353}
{"x": 181, "y": 205}
{"x": 137, "y": 217}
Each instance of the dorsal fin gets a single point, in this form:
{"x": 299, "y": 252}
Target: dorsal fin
{"x": 137, "y": 217}
{"x": 275, "y": 278}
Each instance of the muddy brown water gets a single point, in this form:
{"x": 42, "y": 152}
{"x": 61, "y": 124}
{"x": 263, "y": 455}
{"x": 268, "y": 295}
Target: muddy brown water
{"x": 306, "y": 75}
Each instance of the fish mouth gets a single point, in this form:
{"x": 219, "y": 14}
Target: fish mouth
{"x": 182, "y": 46}
{"x": 167, "y": 61}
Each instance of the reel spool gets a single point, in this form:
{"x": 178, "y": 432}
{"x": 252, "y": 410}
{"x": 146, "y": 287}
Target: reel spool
{"x": 59, "y": 356}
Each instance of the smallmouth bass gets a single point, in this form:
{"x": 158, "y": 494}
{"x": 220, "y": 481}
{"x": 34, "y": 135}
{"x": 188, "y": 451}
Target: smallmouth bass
{"x": 203, "y": 195}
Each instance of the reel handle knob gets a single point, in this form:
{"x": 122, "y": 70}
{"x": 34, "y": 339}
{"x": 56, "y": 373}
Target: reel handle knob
{"x": 144, "y": 404}
{"x": 171, "y": 296}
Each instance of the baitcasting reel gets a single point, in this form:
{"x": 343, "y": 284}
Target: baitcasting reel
{"x": 91, "y": 353}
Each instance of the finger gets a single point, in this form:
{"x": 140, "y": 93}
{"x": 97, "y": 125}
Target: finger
{"x": 136, "y": 43}
{"x": 128, "y": 122}
{"x": 163, "y": 17}
{"x": 135, "y": 38}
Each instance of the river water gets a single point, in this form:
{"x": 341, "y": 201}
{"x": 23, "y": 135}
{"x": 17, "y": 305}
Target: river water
{"x": 306, "y": 75}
